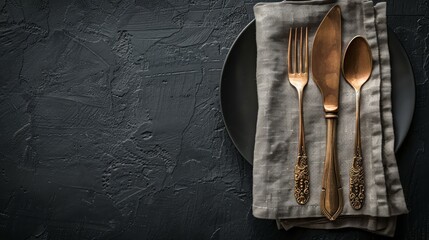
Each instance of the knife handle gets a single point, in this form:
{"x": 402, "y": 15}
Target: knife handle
{"x": 331, "y": 200}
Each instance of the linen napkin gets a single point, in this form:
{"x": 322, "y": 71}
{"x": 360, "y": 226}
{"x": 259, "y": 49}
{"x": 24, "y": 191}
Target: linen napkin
{"x": 277, "y": 122}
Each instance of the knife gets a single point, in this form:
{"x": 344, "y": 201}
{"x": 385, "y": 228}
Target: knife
{"x": 326, "y": 63}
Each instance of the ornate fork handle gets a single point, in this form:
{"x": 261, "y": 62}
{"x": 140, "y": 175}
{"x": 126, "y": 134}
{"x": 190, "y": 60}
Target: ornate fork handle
{"x": 302, "y": 177}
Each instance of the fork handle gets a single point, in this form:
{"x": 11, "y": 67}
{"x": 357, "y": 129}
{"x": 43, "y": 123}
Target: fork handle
{"x": 331, "y": 200}
{"x": 301, "y": 175}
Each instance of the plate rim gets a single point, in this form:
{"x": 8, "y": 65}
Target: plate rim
{"x": 410, "y": 67}
{"x": 220, "y": 90}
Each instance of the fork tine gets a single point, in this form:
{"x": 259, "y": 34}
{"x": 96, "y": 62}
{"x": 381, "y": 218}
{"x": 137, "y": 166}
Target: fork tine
{"x": 295, "y": 63}
{"x": 306, "y": 51}
{"x": 289, "y": 57}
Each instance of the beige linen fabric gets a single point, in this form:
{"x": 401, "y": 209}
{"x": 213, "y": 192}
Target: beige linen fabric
{"x": 277, "y": 122}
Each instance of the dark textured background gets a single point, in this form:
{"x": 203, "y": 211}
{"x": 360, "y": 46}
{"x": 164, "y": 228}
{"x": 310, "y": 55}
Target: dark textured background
{"x": 111, "y": 128}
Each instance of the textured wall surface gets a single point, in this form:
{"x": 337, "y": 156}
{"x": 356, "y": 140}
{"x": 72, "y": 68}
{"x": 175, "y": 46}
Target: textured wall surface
{"x": 110, "y": 123}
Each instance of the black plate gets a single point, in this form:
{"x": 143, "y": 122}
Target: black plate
{"x": 239, "y": 101}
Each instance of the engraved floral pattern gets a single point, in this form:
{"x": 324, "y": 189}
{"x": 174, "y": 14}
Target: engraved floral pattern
{"x": 302, "y": 179}
{"x": 357, "y": 184}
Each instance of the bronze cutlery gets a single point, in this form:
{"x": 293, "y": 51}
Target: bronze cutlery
{"x": 357, "y": 68}
{"x": 326, "y": 64}
{"x": 298, "y": 77}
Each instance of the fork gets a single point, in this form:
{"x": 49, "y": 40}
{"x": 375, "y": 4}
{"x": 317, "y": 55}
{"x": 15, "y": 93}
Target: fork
{"x": 298, "y": 77}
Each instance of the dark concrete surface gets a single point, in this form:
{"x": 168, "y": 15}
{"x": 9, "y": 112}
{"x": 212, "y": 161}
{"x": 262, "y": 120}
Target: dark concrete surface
{"x": 110, "y": 123}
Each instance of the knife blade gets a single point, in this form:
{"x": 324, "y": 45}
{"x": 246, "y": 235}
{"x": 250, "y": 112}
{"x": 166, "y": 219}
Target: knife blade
{"x": 326, "y": 63}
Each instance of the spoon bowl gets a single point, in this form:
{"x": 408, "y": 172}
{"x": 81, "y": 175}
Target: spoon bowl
{"x": 357, "y": 62}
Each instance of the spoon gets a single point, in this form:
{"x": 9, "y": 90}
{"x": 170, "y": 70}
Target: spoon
{"x": 357, "y": 68}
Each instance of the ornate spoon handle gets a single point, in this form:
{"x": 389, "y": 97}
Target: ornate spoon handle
{"x": 357, "y": 176}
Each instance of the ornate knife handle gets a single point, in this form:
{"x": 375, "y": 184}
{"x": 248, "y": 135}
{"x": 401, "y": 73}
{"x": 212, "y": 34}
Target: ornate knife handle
{"x": 331, "y": 200}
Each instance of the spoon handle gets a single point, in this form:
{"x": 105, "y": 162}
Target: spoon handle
{"x": 302, "y": 178}
{"x": 357, "y": 176}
